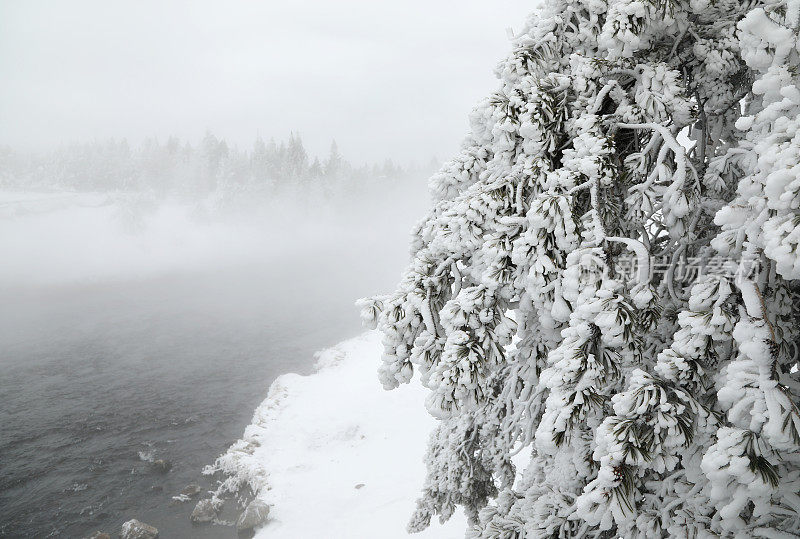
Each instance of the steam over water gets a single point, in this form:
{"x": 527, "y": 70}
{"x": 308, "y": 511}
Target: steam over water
{"x": 121, "y": 347}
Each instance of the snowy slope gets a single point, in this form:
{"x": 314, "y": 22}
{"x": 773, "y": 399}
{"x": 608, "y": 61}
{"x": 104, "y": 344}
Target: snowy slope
{"x": 316, "y": 438}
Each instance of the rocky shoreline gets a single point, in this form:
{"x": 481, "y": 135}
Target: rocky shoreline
{"x": 206, "y": 511}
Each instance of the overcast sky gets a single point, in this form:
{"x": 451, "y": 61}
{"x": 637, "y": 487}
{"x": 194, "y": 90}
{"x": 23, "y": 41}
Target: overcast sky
{"x": 385, "y": 78}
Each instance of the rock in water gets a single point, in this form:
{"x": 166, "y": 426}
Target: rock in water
{"x": 133, "y": 529}
{"x": 161, "y": 465}
{"x": 98, "y": 535}
{"x": 191, "y": 490}
{"x": 204, "y": 511}
{"x": 254, "y": 514}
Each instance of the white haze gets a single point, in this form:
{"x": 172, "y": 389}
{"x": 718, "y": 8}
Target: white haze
{"x": 62, "y": 238}
{"x": 386, "y": 79}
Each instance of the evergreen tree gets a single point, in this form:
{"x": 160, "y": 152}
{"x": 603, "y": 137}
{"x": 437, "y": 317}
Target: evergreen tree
{"x": 646, "y": 134}
{"x": 213, "y": 152}
{"x": 259, "y": 163}
{"x": 315, "y": 170}
{"x": 297, "y": 158}
{"x": 333, "y": 163}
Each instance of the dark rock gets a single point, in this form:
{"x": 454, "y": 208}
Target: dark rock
{"x": 228, "y": 512}
{"x": 254, "y": 514}
{"x": 204, "y": 511}
{"x": 133, "y": 529}
{"x": 358, "y": 486}
{"x": 191, "y": 490}
{"x": 161, "y": 465}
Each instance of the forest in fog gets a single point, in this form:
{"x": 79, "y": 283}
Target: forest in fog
{"x": 113, "y": 209}
{"x": 177, "y": 167}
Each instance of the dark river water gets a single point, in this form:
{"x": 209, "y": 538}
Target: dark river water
{"x": 100, "y": 377}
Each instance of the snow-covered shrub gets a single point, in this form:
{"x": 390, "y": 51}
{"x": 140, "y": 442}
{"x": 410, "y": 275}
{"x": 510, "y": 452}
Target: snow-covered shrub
{"x": 658, "y": 135}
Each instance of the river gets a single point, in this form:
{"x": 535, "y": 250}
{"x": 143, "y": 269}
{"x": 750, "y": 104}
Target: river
{"x": 101, "y": 376}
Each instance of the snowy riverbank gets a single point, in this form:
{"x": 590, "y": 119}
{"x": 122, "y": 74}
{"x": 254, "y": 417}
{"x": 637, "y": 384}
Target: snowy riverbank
{"x": 334, "y": 454}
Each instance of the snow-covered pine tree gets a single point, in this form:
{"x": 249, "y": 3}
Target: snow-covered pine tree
{"x": 665, "y": 403}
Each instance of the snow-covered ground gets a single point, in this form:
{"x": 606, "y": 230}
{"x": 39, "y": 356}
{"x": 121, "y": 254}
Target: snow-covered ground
{"x": 335, "y": 455}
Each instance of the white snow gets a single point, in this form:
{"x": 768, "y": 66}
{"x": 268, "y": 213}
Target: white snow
{"x": 336, "y": 455}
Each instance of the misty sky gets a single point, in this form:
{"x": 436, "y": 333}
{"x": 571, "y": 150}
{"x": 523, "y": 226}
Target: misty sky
{"x": 385, "y": 78}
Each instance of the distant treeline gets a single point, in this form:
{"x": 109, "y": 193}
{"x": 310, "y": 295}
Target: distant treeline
{"x": 175, "y": 166}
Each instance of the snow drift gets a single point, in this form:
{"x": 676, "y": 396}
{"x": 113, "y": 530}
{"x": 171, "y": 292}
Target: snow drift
{"x": 334, "y": 454}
